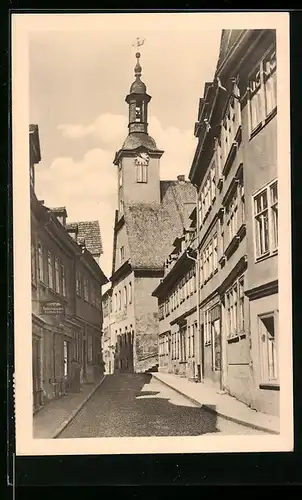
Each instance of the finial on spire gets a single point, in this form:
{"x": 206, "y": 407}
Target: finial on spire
{"x": 138, "y": 69}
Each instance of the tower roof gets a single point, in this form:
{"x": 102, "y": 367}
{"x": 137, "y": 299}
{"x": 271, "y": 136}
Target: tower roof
{"x": 138, "y": 87}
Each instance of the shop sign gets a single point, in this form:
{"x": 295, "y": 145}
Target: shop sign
{"x": 53, "y": 308}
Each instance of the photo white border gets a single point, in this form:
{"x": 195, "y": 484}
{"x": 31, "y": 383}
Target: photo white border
{"x": 22, "y": 24}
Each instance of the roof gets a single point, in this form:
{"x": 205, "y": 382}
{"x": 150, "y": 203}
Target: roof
{"x": 227, "y": 41}
{"x": 90, "y": 232}
{"x": 138, "y": 87}
{"x": 139, "y": 139}
{"x": 152, "y": 228}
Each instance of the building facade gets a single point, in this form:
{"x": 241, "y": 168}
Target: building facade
{"x": 108, "y": 337}
{"x": 177, "y": 303}
{"x": 235, "y": 172}
{"x": 66, "y": 283}
{"x": 151, "y": 213}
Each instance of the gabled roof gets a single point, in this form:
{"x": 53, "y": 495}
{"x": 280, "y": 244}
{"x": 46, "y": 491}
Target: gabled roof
{"x": 90, "y": 232}
{"x": 152, "y": 228}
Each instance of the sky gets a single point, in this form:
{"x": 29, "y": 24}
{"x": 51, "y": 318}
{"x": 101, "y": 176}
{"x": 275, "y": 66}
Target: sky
{"x": 79, "y": 78}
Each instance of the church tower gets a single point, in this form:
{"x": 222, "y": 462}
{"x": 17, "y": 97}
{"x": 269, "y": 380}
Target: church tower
{"x": 138, "y": 160}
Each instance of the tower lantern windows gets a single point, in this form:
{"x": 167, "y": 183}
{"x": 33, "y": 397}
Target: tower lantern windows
{"x": 138, "y": 113}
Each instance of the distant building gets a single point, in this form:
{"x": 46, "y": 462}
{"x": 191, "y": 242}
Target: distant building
{"x": 151, "y": 214}
{"x": 235, "y": 171}
{"x": 66, "y": 295}
{"x": 108, "y": 337}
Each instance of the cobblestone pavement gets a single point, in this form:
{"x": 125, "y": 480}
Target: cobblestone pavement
{"x": 129, "y": 405}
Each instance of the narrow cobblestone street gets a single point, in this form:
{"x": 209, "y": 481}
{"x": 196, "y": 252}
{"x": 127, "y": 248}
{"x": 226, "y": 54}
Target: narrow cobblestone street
{"x": 128, "y": 405}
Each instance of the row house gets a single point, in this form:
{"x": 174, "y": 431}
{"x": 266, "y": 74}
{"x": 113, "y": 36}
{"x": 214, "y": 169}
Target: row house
{"x": 66, "y": 283}
{"x": 177, "y": 303}
{"x": 235, "y": 172}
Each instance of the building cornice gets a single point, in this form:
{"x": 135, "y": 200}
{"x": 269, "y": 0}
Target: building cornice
{"x": 263, "y": 290}
{"x": 121, "y": 272}
{"x": 182, "y": 318}
{"x": 131, "y": 153}
{"x": 181, "y": 265}
{"x": 145, "y": 272}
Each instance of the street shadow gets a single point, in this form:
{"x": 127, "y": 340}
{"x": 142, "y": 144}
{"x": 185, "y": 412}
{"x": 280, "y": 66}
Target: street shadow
{"x": 147, "y": 393}
{"x": 115, "y": 410}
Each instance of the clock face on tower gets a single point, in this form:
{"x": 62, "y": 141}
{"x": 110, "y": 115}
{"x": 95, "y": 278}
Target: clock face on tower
{"x": 142, "y": 159}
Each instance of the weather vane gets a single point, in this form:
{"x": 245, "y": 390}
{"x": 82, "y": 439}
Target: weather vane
{"x": 139, "y": 42}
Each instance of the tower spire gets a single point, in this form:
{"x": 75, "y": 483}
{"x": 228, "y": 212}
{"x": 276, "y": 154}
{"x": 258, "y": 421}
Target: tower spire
{"x": 138, "y": 98}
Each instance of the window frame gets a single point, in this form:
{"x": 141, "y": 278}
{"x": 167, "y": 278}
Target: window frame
{"x": 264, "y": 78}
{"x": 264, "y": 378}
{"x": 50, "y": 269}
{"x": 57, "y": 275}
{"x": 271, "y": 208}
{"x": 232, "y": 303}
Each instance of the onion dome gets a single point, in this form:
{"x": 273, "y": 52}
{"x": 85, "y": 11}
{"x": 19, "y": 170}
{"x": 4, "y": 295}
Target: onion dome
{"x": 138, "y": 87}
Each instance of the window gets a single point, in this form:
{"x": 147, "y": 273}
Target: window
{"x": 115, "y": 302}
{"x": 130, "y": 293}
{"x": 57, "y": 274}
{"x": 263, "y": 90}
{"x": 234, "y": 306}
{"x": 63, "y": 280}
{"x": 50, "y": 269}
{"x": 138, "y": 113}
{"x": 207, "y": 326}
{"x": 201, "y": 269}
{"x": 189, "y": 344}
{"x": 268, "y": 349}
{"x": 213, "y": 181}
{"x": 141, "y": 173}
{"x": 41, "y": 262}
{"x": 230, "y": 126}
{"x": 79, "y": 285}
{"x": 266, "y": 220}
{"x": 86, "y": 289}
{"x": 119, "y": 300}
{"x": 161, "y": 312}
{"x": 89, "y": 349}
{"x": 274, "y": 215}
{"x": 66, "y": 358}
{"x": 207, "y": 194}
{"x": 93, "y": 295}
{"x": 33, "y": 264}
{"x": 215, "y": 253}
{"x": 125, "y": 296}
{"x": 194, "y": 330}
{"x": 241, "y": 305}
{"x": 232, "y": 218}
{"x": 122, "y": 253}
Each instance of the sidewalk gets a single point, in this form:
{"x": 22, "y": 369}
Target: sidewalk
{"x": 225, "y": 405}
{"x": 50, "y": 421}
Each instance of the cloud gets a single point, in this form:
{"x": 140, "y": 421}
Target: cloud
{"x": 88, "y": 188}
{"x": 110, "y": 131}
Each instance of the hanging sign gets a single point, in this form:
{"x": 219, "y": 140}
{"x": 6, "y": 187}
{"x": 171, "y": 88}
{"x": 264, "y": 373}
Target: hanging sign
{"x": 53, "y": 308}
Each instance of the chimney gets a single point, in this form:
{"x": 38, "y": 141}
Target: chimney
{"x": 181, "y": 178}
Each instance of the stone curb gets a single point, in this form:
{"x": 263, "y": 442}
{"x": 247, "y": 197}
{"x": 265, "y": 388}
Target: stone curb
{"x": 220, "y": 414}
{"x": 74, "y": 413}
